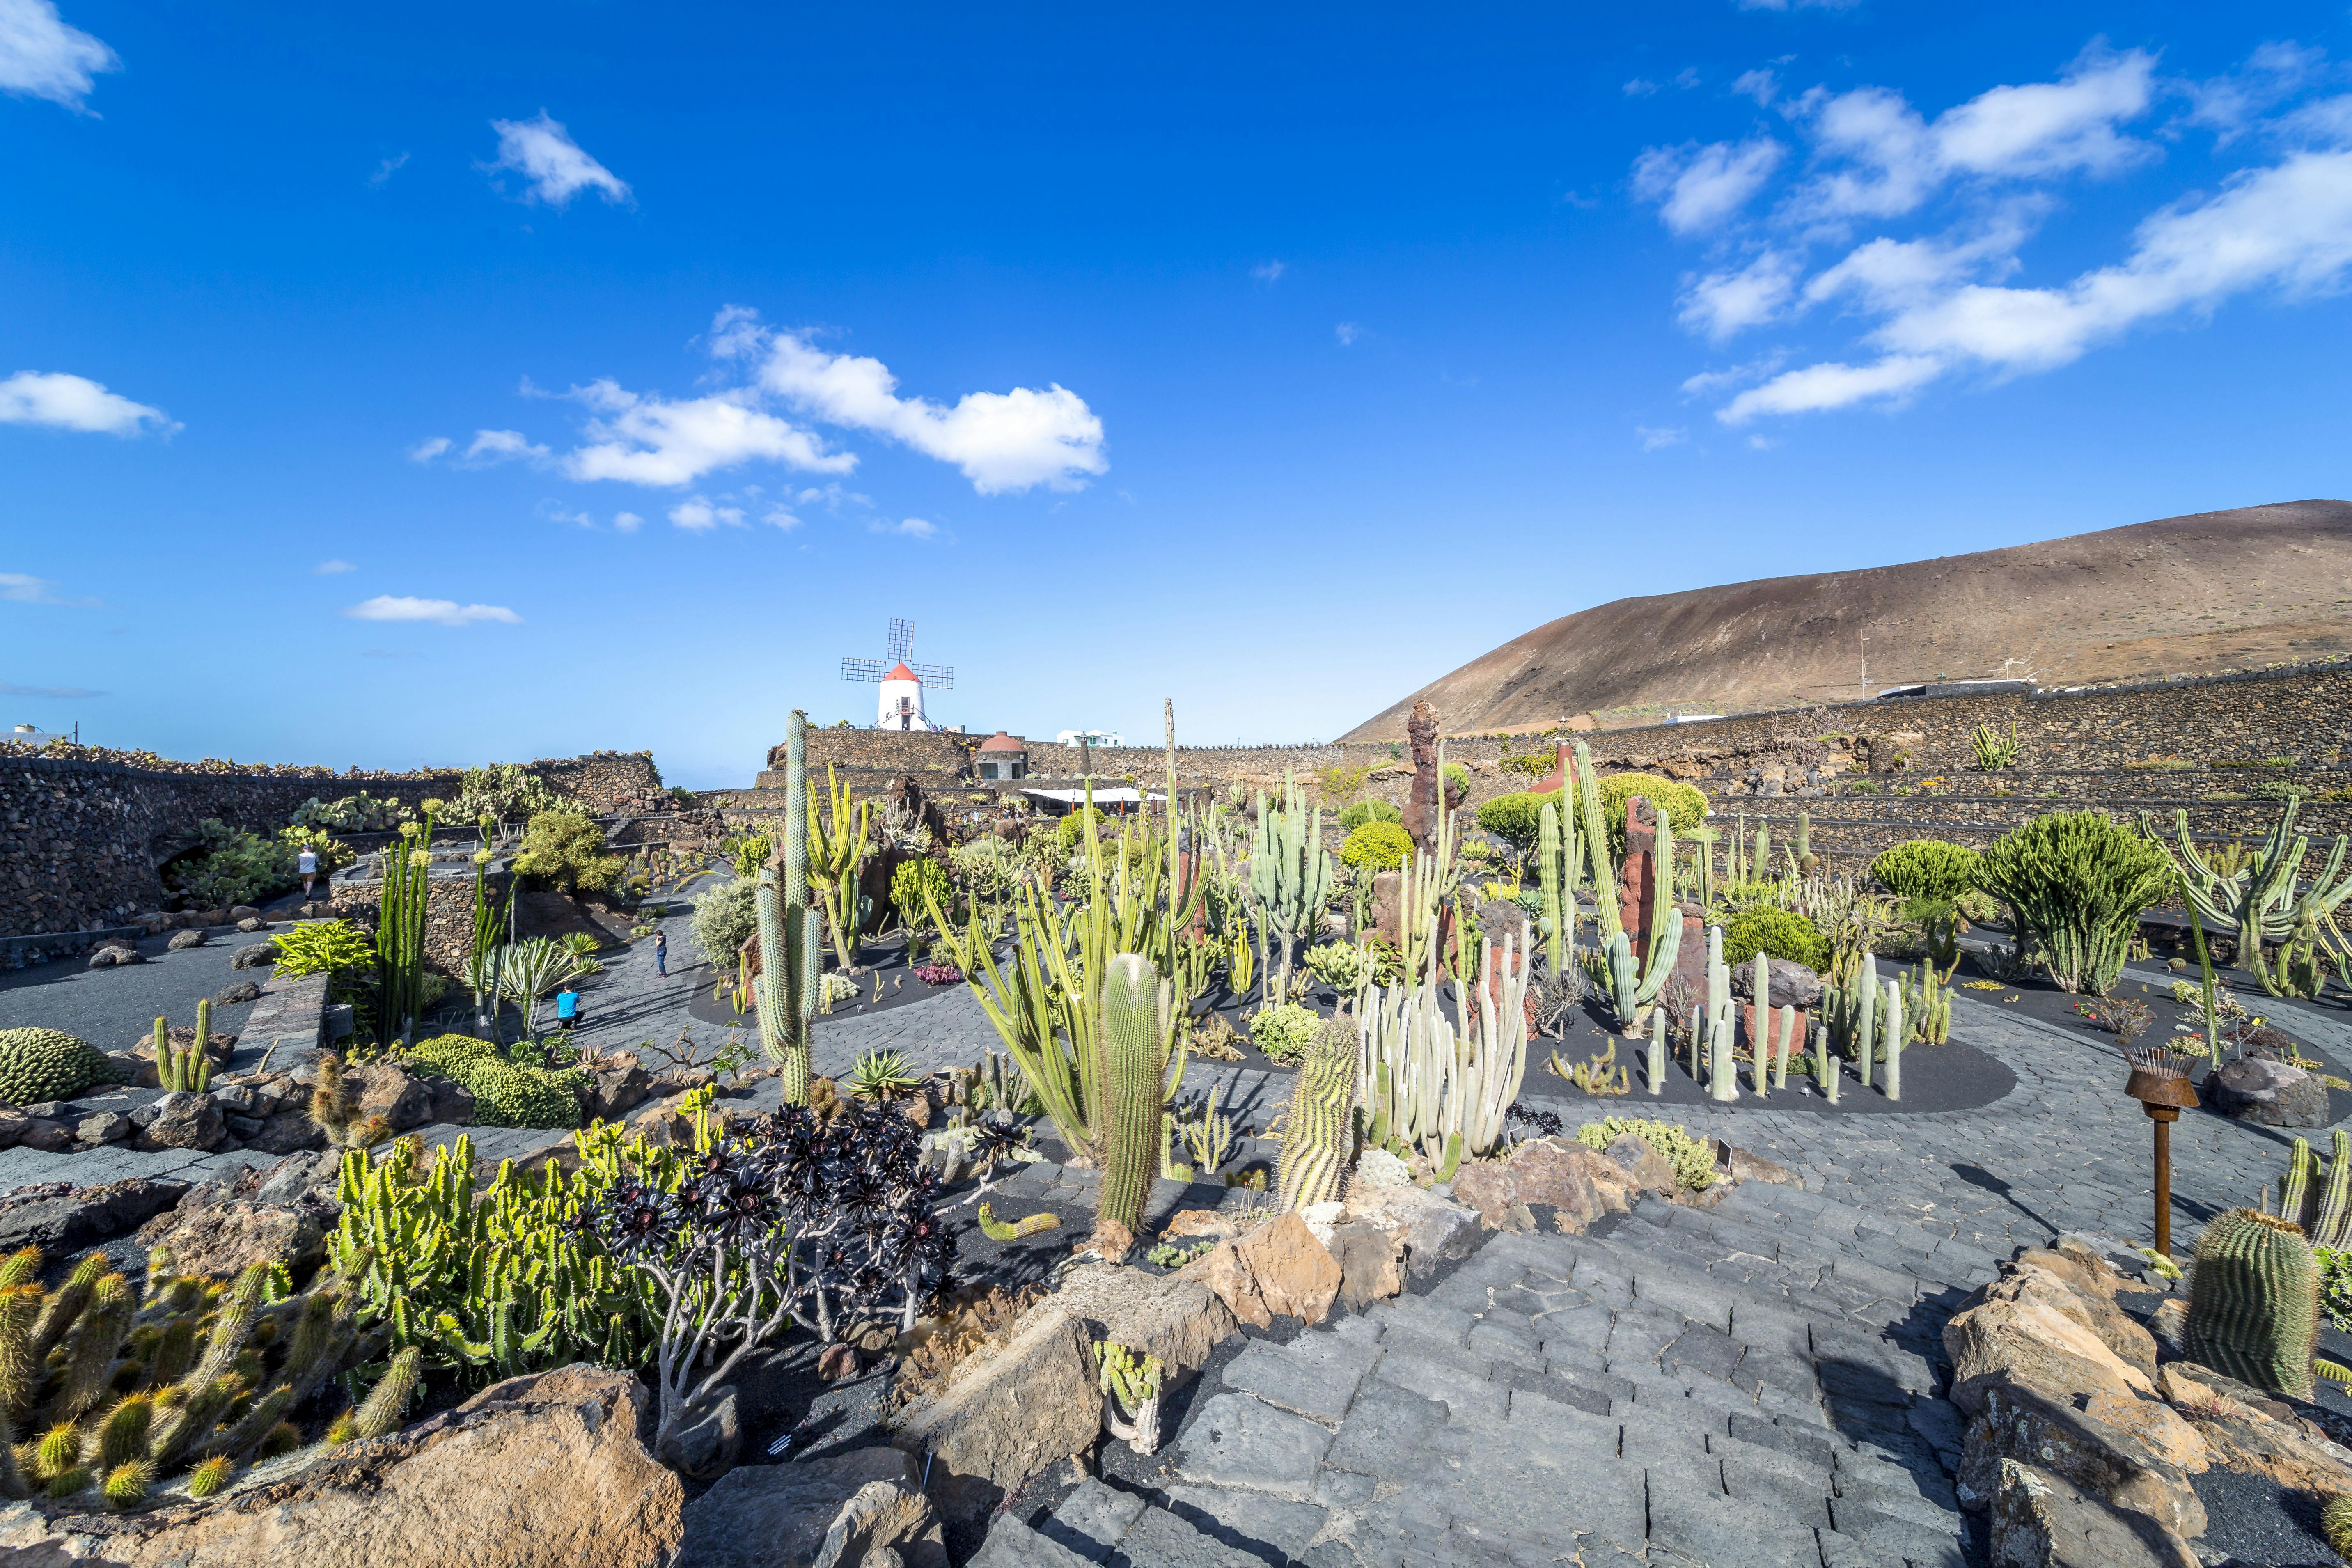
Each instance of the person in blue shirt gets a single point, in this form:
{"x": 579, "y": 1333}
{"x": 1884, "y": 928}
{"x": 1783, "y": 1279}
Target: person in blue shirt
{"x": 567, "y": 1008}
{"x": 661, "y": 953}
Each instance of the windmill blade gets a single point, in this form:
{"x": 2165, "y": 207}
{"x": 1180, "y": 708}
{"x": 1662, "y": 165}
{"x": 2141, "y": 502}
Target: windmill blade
{"x": 939, "y": 675}
{"x": 863, "y": 669}
{"x": 902, "y": 640}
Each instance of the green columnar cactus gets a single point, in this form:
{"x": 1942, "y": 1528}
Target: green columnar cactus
{"x": 1763, "y": 848}
{"x": 2266, "y": 901}
{"x": 2253, "y": 1301}
{"x": 792, "y": 958}
{"x": 1735, "y": 853}
{"x": 1319, "y": 1130}
{"x": 1656, "y": 1067}
{"x": 1634, "y": 981}
{"x": 2324, "y": 1212}
{"x": 1759, "y": 1044}
{"x": 840, "y": 844}
{"x": 1825, "y": 1066}
{"x": 1554, "y": 870}
{"x": 1289, "y": 872}
{"x": 1805, "y": 861}
{"x": 1596, "y": 841}
{"x": 2297, "y": 1185}
{"x": 400, "y": 928}
{"x": 1788, "y": 1046}
{"x": 1865, "y": 1024}
{"x": 1132, "y": 1037}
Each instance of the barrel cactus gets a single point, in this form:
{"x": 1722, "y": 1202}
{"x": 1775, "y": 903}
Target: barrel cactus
{"x": 2253, "y": 1301}
{"x": 37, "y": 1065}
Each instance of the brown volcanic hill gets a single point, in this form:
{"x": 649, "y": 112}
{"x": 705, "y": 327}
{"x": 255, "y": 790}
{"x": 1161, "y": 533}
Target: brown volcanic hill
{"x": 2220, "y": 590}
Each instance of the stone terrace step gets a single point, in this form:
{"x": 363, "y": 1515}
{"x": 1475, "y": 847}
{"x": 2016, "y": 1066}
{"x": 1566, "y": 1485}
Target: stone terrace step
{"x": 1753, "y": 1385}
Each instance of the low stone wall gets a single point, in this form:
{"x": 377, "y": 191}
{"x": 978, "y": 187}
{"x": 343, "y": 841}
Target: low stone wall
{"x": 84, "y": 832}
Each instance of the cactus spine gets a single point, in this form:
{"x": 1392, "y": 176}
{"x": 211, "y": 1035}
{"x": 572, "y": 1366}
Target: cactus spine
{"x": 791, "y": 957}
{"x": 189, "y": 1070}
{"x": 380, "y": 1414}
{"x": 2329, "y": 1219}
{"x": 2253, "y": 1301}
{"x": 1317, "y": 1132}
{"x": 1132, "y": 1037}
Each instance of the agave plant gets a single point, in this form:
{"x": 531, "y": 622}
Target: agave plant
{"x": 533, "y": 968}
{"x": 883, "y": 1076}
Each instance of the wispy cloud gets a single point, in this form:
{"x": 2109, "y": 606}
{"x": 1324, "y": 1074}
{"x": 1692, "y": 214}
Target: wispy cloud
{"x": 73, "y": 402}
{"x": 700, "y": 515}
{"x": 42, "y": 57}
{"x": 552, "y": 164}
{"x": 627, "y": 521}
{"x": 435, "y": 611}
{"x": 389, "y": 167}
{"x": 908, "y": 527}
{"x": 333, "y": 568}
{"x": 1699, "y": 188}
{"x": 1641, "y": 87}
{"x": 1656, "y": 441}
{"x": 1269, "y": 271}
{"x": 9, "y": 690}
{"x": 16, "y": 588}
{"x": 501, "y": 447}
{"x": 431, "y": 446}
{"x": 1346, "y": 332}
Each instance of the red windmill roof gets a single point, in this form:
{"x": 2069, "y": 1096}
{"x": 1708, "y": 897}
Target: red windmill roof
{"x": 1000, "y": 741}
{"x": 900, "y": 672}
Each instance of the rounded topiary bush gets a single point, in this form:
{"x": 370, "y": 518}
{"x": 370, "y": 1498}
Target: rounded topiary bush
{"x": 1684, "y": 805}
{"x": 505, "y": 1094}
{"x": 37, "y": 1065}
{"x": 1072, "y": 830}
{"x": 1377, "y": 846}
{"x": 1777, "y": 932}
{"x": 1928, "y": 869}
{"x": 1516, "y": 818}
{"x": 1353, "y": 816}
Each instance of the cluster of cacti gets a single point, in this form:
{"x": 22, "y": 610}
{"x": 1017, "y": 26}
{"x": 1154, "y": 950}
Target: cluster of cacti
{"x": 2265, "y": 901}
{"x": 187, "y": 1070}
{"x": 1558, "y": 870}
{"x": 1599, "y": 1075}
{"x": 2325, "y": 1211}
{"x": 1715, "y": 1028}
{"x": 1870, "y": 1022}
{"x": 2078, "y": 881}
{"x": 1633, "y": 982}
{"x": 1130, "y": 1385}
{"x": 494, "y": 1282}
{"x": 400, "y": 929}
{"x": 792, "y": 958}
{"x": 1927, "y": 1004}
{"x": 1319, "y": 1130}
{"x": 132, "y": 1386}
{"x": 1444, "y": 1085}
{"x": 1208, "y": 1133}
{"x": 1692, "y": 1159}
{"x": 2253, "y": 1301}
{"x": 1289, "y": 874}
{"x": 837, "y": 841}
{"x": 37, "y": 1065}
{"x": 1133, "y": 1039}
{"x": 1827, "y": 1074}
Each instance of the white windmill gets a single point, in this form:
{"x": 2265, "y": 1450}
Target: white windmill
{"x": 900, "y": 704}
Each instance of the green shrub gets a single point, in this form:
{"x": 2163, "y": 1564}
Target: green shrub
{"x": 1534, "y": 764}
{"x": 1354, "y": 816}
{"x": 566, "y": 850}
{"x": 2079, "y": 883}
{"x": 2279, "y": 789}
{"x": 911, "y": 882}
{"x": 1778, "y": 932}
{"x": 1377, "y": 846}
{"x": 1928, "y": 869}
{"x": 723, "y": 920}
{"x": 1684, "y": 805}
{"x": 506, "y": 1094}
{"x": 747, "y": 852}
{"x": 321, "y": 947}
{"x": 1516, "y": 818}
{"x": 1072, "y": 830}
{"x": 360, "y": 812}
{"x": 230, "y": 868}
{"x": 504, "y": 790}
{"x": 1283, "y": 1032}
{"x": 1693, "y": 1161}
{"x": 37, "y": 1065}
{"x": 333, "y": 853}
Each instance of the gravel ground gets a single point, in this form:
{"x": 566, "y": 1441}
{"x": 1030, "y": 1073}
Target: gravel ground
{"x": 112, "y": 1008}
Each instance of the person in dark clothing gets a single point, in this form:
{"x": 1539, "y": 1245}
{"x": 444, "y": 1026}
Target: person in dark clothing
{"x": 661, "y": 953}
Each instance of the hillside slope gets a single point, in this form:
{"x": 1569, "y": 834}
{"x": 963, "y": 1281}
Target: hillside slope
{"x": 2218, "y": 590}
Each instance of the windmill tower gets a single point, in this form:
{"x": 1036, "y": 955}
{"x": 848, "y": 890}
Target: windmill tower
{"x": 902, "y": 681}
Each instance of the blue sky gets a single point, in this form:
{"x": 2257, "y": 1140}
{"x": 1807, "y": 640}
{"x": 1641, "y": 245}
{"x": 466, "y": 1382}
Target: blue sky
{"x": 506, "y": 382}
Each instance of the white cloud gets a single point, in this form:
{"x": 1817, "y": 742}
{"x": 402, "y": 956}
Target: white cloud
{"x": 385, "y": 170}
{"x": 10, "y": 690}
{"x": 1270, "y": 271}
{"x": 1706, "y": 383}
{"x": 1658, "y": 440}
{"x": 1820, "y": 386}
{"x": 910, "y": 528}
{"x": 1639, "y": 87}
{"x": 648, "y": 440}
{"x": 1759, "y": 84}
{"x": 2230, "y": 103}
{"x": 1346, "y": 332}
{"x": 1722, "y": 303}
{"x": 42, "y": 57}
{"x": 431, "y": 446}
{"x": 332, "y": 568}
{"x": 74, "y": 403}
{"x": 500, "y": 445}
{"x": 627, "y": 521}
{"x": 544, "y": 153}
{"x": 1000, "y": 440}
{"x": 780, "y": 517}
{"x": 17, "y": 588}
{"x": 1699, "y": 187}
{"x": 700, "y": 515}
{"x": 1687, "y": 77}
{"x": 439, "y": 612}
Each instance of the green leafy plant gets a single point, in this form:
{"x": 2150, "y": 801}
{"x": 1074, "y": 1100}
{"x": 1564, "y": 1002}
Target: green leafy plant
{"x": 333, "y": 854}
{"x": 1358, "y": 813}
{"x": 724, "y": 919}
{"x": 913, "y": 884}
{"x": 566, "y": 850}
{"x": 2079, "y": 883}
{"x": 1339, "y": 965}
{"x": 884, "y": 1075}
{"x": 1282, "y": 1032}
{"x": 747, "y": 852}
{"x": 1684, "y": 805}
{"x": 321, "y": 947}
{"x": 361, "y": 813}
{"x": 1516, "y": 818}
{"x": 1377, "y": 846}
{"x": 1994, "y": 751}
{"x": 1928, "y": 869}
{"x": 228, "y": 867}
{"x": 1780, "y": 933}
{"x": 505, "y": 792}
{"x": 1072, "y": 830}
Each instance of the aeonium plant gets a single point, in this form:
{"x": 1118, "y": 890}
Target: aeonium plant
{"x": 821, "y": 1223}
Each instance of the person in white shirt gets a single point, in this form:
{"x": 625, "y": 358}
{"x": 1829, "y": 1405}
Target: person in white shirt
{"x": 306, "y": 862}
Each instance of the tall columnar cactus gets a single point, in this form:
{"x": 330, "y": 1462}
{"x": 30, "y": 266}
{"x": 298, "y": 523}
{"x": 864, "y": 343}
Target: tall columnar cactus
{"x": 1928, "y": 1004}
{"x": 2265, "y": 900}
{"x": 2253, "y": 1301}
{"x": 1826, "y": 1072}
{"x": 1634, "y": 979}
{"x": 1558, "y": 870}
{"x": 2319, "y": 1201}
{"x": 400, "y": 928}
{"x": 838, "y": 837}
{"x": 1290, "y": 873}
{"x": 1132, "y": 1037}
{"x": 1892, "y": 1036}
{"x": 1319, "y": 1130}
{"x": 1656, "y": 1066}
{"x": 792, "y": 960}
{"x": 1444, "y": 1085}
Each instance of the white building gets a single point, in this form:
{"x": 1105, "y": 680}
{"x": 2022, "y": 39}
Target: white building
{"x": 1089, "y": 737}
{"x": 901, "y": 705}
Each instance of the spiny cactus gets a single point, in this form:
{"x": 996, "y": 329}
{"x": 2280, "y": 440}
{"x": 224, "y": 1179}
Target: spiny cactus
{"x": 996, "y": 1229}
{"x": 188, "y": 1071}
{"x": 1290, "y": 873}
{"x": 792, "y": 960}
{"x": 1130, "y": 1383}
{"x": 1319, "y": 1130}
{"x": 2253, "y": 1301}
{"x": 1558, "y": 870}
{"x": 39, "y": 1065}
{"x": 380, "y": 1414}
{"x": 2325, "y": 1214}
{"x": 1132, "y": 1039}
